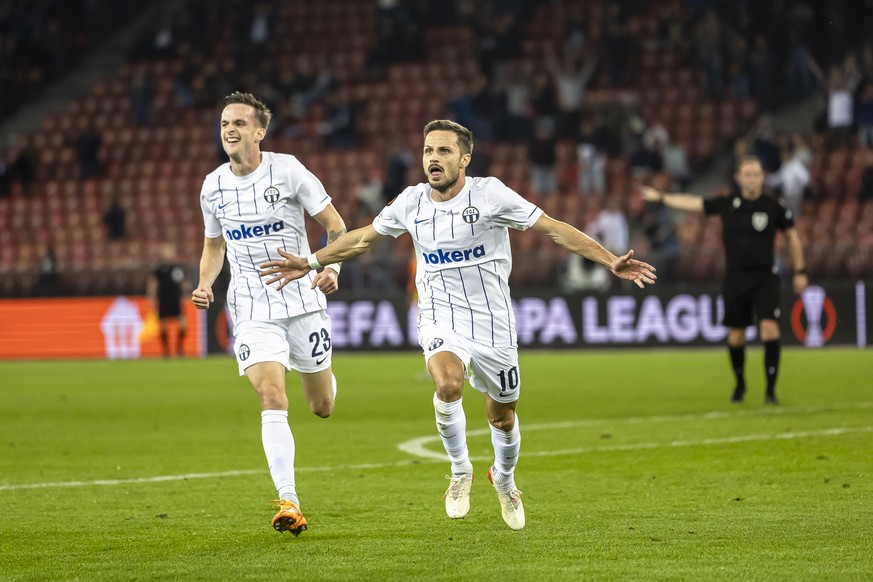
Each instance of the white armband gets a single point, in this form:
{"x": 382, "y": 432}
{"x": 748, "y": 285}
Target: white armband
{"x": 313, "y": 262}
{"x": 335, "y": 267}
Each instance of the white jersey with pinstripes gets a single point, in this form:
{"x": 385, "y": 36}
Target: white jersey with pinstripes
{"x": 255, "y": 214}
{"x": 463, "y": 255}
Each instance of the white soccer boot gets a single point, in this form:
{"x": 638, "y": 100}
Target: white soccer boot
{"x": 457, "y": 496}
{"x": 511, "y": 506}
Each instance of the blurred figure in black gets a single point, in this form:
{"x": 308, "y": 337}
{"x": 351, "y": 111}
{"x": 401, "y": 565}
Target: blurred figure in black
{"x": 165, "y": 289}
{"x": 47, "y": 284}
{"x": 115, "y": 220}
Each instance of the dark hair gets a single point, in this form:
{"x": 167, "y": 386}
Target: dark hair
{"x": 747, "y": 159}
{"x": 262, "y": 112}
{"x": 464, "y": 135}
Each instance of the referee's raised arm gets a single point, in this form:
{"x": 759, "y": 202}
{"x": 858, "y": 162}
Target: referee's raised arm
{"x": 684, "y": 201}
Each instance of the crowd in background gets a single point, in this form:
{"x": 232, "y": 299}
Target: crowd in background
{"x": 772, "y": 54}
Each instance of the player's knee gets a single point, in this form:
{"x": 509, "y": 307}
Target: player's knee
{"x": 504, "y": 421}
{"x": 321, "y": 407}
{"x": 272, "y": 397}
{"x": 448, "y": 388}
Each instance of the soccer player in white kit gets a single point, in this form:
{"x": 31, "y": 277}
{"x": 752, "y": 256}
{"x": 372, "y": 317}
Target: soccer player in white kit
{"x": 251, "y": 206}
{"x": 459, "y": 226}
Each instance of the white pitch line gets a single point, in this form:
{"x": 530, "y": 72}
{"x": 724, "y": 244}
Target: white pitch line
{"x": 416, "y": 447}
{"x": 419, "y": 447}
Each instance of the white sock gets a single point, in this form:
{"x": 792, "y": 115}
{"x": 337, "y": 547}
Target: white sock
{"x": 452, "y": 427}
{"x": 279, "y": 448}
{"x": 507, "y": 445}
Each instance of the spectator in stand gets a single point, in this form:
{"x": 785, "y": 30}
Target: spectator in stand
{"x": 542, "y": 156}
{"x": 115, "y": 220}
{"x": 571, "y": 79}
{"x": 87, "y": 151}
{"x": 764, "y": 145}
{"x": 864, "y": 115}
{"x": 21, "y": 167}
{"x": 591, "y": 160}
{"x": 840, "y": 109}
{"x": 645, "y": 159}
{"x": 516, "y": 91}
{"x": 142, "y": 98}
{"x": 793, "y": 175}
{"x": 542, "y": 95}
{"x": 676, "y": 164}
{"x": 610, "y": 226}
{"x": 399, "y": 160}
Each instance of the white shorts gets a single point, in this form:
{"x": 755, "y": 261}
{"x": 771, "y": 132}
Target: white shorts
{"x": 490, "y": 370}
{"x": 301, "y": 343}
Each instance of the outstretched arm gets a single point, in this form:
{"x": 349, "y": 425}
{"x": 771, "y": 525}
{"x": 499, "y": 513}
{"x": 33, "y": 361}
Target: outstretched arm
{"x": 684, "y": 201}
{"x": 576, "y": 241}
{"x": 328, "y": 279}
{"x": 348, "y": 246}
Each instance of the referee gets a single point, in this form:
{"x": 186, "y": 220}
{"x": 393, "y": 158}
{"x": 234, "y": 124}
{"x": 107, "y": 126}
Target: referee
{"x": 750, "y": 220}
{"x": 165, "y": 291}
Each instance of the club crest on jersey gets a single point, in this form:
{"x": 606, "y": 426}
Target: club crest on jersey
{"x": 271, "y": 194}
{"x": 256, "y": 231}
{"x": 470, "y": 214}
{"x": 759, "y": 221}
{"x": 441, "y": 257}
{"x": 434, "y": 344}
{"x": 244, "y": 352}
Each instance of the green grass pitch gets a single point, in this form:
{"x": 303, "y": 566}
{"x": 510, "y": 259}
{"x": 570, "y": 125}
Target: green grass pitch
{"x": 634, "y": 465}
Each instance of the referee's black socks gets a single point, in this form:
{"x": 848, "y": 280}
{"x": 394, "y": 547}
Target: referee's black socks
{"x": 738, "y": 364}
{"x": 772, "y": 350}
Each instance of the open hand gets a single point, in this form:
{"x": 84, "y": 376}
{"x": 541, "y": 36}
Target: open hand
{"x": 283, "y": 271}
{"x": 626, "y": 267}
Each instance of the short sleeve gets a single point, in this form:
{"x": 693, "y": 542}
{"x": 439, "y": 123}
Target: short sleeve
{"x": 784, "y": 217}
{"x": 391, "y": 220}
{"x": 715, "y": 205}
{"x": 212, "y": 226}
{"x": 509, "y": 209}
{"x": 308, "y": 188}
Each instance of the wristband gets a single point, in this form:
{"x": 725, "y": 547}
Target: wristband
{"x": 335, "y": 267}
{"x": 313, "y": 262}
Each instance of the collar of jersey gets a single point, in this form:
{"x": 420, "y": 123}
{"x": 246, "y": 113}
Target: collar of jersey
{"x": 454, "y": 200}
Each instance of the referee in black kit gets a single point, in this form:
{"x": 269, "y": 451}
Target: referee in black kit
{"x": 750, "y": 220}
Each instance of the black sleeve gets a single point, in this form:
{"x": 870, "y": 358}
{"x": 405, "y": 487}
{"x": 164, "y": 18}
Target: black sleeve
{"x": 784, "y": 217}
{"x": 714, "y": 205}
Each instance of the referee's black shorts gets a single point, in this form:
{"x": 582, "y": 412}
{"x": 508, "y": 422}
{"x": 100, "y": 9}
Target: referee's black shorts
{"x": 750, "y": 295}
{"x": 169, "y": 307}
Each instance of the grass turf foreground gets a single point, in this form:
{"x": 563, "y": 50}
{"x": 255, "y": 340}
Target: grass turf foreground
{"x": 634, "y": 465}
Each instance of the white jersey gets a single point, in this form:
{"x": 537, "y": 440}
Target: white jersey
{"x": 463, "y": 255}
{"x": 256, "y": 214}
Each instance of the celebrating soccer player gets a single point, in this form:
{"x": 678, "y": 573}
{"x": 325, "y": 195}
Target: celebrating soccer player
{"x": 466, "y": 325}
{"x": 251, "y": 206}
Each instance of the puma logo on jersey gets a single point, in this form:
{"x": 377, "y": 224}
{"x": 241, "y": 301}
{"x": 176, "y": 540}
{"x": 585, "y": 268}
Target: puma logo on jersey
{"x": 441, "y": 257}
{"x": 244, "y": 231}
